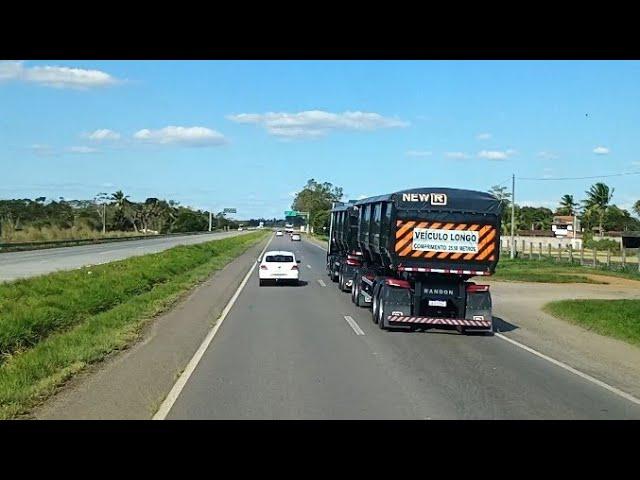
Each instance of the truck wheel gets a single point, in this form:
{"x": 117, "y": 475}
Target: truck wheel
{"x": 375, "y": 307}
{"x": 340, "y": 283}
{"x": 357, "y": 298}
{"x": 382, "y": 323}
{"x": 353, "y": 289}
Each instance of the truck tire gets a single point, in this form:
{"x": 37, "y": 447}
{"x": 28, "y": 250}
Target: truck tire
{"x": 341, "y": 282}
{"x": 375, "y": 305}
{"x": 357, "y": 296}
{"x": 382, "y": 322}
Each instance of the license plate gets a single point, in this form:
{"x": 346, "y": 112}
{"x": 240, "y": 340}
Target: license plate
{"x": 437, "y": 303}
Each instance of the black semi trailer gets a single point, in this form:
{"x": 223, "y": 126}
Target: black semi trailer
{"x": 419, "y": 249}
{"x": 343, "y": 256}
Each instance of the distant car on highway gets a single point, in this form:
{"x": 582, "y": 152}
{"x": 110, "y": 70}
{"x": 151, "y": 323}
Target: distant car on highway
{"x": 240, "y": 229}
{"x": 279, "y": 266}
{"x": 279, "y": 233}
{"x": 295, "y": 237}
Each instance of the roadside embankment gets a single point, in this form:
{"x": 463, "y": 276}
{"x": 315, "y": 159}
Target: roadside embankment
{"x": 54, "y": 326}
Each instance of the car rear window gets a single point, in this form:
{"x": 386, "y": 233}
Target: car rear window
{"x": 279, "y": 258}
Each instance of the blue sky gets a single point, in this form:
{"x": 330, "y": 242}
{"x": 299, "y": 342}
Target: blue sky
{"x": 246, "y": 134}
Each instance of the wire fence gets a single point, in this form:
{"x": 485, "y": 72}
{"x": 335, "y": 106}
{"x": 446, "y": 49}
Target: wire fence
{"x": 626, "y": 259}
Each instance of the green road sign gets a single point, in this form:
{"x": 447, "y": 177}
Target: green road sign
{"x": 290, "y": 213}
{"x": 230, "y": 210}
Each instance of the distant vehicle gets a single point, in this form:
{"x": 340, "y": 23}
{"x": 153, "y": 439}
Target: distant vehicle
{"x": 295, "y": 237}
{"x": 279, "y": 266}
{"x": 279, "y": 233}
{"x": 240, "y": 229}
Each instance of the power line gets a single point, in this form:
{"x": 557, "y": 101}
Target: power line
{"x": 581, "y": 178}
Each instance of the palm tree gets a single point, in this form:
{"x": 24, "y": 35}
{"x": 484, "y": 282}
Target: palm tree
{"x": 121, "y": 202}
{"x": 598, "y": 198}
{"x": 568, "y": 205}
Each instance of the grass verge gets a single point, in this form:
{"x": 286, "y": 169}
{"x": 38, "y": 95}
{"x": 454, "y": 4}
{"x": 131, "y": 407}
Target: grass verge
{"x": 614, "y": 318}
{"x": 549, "y": 271}
{"x": 52, "y": 327}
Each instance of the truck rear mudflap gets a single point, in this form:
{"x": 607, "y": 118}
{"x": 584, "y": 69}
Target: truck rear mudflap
{"x": 479, "y": 323}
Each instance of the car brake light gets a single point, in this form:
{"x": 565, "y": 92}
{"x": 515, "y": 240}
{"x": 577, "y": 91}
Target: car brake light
{"x": 295, "y": 267}
{"x": 477, "y": 288}
{"x": 263, "y": 267}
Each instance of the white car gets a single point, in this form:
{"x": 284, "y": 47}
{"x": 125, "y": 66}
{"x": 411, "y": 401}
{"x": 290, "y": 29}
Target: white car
{"x": 279, "y": 266}
{"x": 279, "y": 233}
{"x": 295, "y": 237}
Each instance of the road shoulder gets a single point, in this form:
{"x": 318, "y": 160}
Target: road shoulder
{"x": 518, "y": 308}
{"x": 132, "y": 384}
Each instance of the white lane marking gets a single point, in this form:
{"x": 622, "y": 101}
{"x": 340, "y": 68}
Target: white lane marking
{"x": 308, "y": 266}
{"x": 322, "y": 284}
{"x": 606, "y": 386}
{"x": 108, "y": 252}
{"x": 173, "y": 395}
{"x": 352, "y": 323}
{"x": 316, "y": 245}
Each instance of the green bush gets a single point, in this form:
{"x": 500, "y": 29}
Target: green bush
{"x": 602, "y": 244}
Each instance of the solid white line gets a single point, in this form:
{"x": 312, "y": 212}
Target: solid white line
{"x": 352, "y": 323}
{"x": 606, "y": 386}
{"x": 173, "y": 395}
{"x": 322, "y": 284}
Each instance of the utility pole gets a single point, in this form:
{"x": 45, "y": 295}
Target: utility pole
{"x": 210, "y": 219}
{"x": 104, "y": 218}
{"x": 513, "y": 214}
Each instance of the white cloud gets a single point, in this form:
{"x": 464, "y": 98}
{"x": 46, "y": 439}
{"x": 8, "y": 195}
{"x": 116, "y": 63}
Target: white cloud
{"x": 42, "y": 150}
{"x": 418, "y": 153}
{"x": 361, "y": 196}
{"x": 185, "y": 136}
{"x": 601, "y": 150}
{"x": 82, "y": 149}
{"x": 496, "y": 154}
{"x": 547, "y": 155}
{"x": 103, "y": 134}
{"x": 316, "y": 123}
{"x": 55, "y": 76}
{"x": 538, "y": 203}
{"x": 483, "y": 136}
{"x": 457, "y": 155}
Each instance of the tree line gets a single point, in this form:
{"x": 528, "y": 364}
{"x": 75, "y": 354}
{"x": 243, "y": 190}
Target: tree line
{"x": 596, "y": 211}
{"x": 107, "y": 213}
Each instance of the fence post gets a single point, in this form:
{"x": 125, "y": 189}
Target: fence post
{"x": 540, "y": 251}
{"x": 608, "y": 257}
{"x": 508, "y": 245}
{"x": 571, "y": 253}
{"x": 581, "y": 253}
{"x": 624, "y": 257}
{"x": 559, "y": 251}
{"x": 595, "y": 259}
{"x": 549, "y": 248}
{"x": 530, "y": 250}
{"x": 523, "y": 247}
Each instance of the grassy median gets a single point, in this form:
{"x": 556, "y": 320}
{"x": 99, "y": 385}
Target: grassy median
{"x": 615, "y": 318}
{"x": 53, "y": 326}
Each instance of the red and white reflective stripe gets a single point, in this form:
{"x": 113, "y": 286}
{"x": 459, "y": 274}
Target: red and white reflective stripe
{"x": 440, "y": 321}
{"x": 444, "y": 270}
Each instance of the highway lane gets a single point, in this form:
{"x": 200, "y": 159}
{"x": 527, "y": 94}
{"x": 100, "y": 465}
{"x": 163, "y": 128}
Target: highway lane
{"x": 14, "y": 265}
{"x": 288, "y": 353}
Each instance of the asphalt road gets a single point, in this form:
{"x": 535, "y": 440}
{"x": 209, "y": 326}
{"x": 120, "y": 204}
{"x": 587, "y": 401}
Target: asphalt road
{"x": 14, "y": 265}
{"x": 287, "y": 352}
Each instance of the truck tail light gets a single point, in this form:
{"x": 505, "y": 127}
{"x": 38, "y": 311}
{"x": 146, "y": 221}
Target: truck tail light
{"x": 395, "y": 282}
{"x": 477, "y": 288}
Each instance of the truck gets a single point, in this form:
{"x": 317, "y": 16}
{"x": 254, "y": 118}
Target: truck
{"x": 417, "y": 251}
{"x": 343, "y": 256}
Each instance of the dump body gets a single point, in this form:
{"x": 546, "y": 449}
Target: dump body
{"x": 439, "y": 229}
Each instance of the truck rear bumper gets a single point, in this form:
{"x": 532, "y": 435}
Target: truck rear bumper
{"x": 447, "y": 322}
